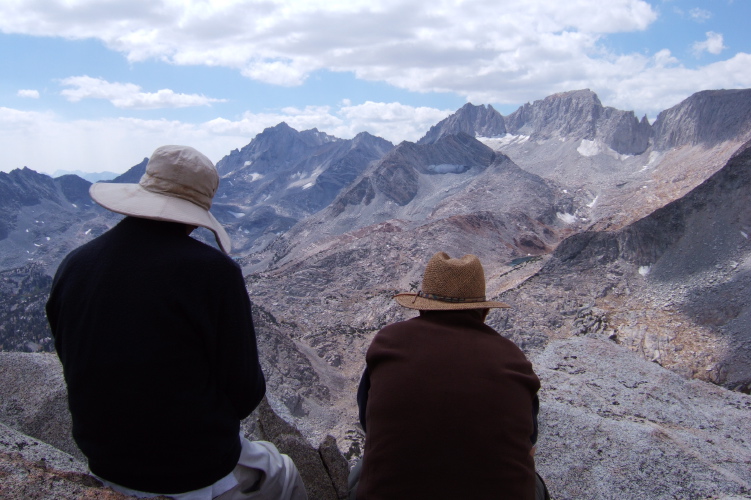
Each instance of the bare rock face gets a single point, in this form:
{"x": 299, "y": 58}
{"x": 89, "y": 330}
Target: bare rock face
{"x": 481, "y": 121}
{"x": 615, "y": 426}
{"x": 579, "y": 114}
{"x": 30, "y": 468}
{"x": 34, "y": 400}
{"x": 708, "y": 117}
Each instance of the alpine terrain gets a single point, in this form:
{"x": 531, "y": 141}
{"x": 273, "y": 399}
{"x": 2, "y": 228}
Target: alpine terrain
{"x": 623, "y": 246}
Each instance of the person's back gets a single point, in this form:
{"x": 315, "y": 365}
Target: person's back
{"x": 448, "y": 405}
{"x": 449, "y": 412}
{"x": 153, "y": 331}
{"x": 155, "y": 335}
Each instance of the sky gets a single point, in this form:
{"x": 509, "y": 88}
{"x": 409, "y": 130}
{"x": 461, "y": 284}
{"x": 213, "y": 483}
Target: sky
{"x": 97, "y": 85}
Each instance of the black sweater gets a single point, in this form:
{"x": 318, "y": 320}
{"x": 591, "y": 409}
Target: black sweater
{"x": 155, "y": 335}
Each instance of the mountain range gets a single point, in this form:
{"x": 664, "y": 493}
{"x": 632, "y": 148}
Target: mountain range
{"x": 616, "y": 241}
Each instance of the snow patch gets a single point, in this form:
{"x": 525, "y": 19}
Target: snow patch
{"x": 87, "y": 231}
{"x": 48, "y": 238}
{"x": 308, "y": 185}
{"x": 744, "y": 234}
{"x": 592, "y": 203}
{"x": 566, "y": 217}
{"x": 238, "y": 214}
{"x": 447, "y": 168}
{"x": 498, "y": 142}
{"x": 644, "y": 270}
{"x": 37, "y": 245}
{"x": 254, "y": 176}
{"x": 74, "y": 205}
{"x": 588, "y": 148}
{"x": 247, "y": 163}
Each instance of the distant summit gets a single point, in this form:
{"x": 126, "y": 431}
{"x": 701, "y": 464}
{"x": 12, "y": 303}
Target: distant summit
{"x": 479, "y": 121}
{"x": 89, "y": 176}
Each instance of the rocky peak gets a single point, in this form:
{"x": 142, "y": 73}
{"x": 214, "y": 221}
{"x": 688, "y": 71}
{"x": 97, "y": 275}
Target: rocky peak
{"x": 397, "y": 174}
{"x": 133, "y": 174}
{"x": 273, "y": 147}
{"x": 579, "y": 114}
{"x": 25, "y": 187}
{"x": 483, "y": 121}
{"x": 564, "y": 114}
{"x": 708, "y": 117}
{"x": 74, "y": 188}
{"x": 367, "y": 140}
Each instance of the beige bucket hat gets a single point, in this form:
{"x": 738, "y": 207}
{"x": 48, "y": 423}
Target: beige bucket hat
{"x": 178, "y": 186}
{"x": 450, "y": 284}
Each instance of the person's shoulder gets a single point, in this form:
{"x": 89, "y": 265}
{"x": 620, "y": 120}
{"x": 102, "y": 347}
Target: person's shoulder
{"x": 207, "y": 256}
{"x": 397, "y": 328}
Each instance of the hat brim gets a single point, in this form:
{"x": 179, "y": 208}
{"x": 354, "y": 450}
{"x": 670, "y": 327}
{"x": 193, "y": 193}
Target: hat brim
{"x": 132, "y": 199}
{"x": 414, "y": 301}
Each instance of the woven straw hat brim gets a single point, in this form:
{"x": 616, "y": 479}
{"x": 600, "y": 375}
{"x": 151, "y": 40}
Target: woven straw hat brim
{"x": 132, "y": 199}
{"x": 414, "y": 301}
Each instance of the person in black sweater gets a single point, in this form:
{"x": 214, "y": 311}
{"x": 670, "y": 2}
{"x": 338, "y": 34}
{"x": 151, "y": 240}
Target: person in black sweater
{"x": 155, "y": 335}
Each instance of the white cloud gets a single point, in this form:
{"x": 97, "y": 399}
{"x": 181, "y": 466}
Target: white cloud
{"x": 32, "y": 94}
{"x": 410, "y": 43}
{"x": 129, "y": 95}
{"x": 487, "y": 51}
{"x": 700, "y": 15}
{"x": 393, "y": 121}
{"x": 713, "y": 44}
{"x": 45, "y": 142}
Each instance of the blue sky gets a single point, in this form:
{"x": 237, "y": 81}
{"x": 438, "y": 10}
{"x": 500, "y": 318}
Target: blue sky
{"x": 98, "y": 84}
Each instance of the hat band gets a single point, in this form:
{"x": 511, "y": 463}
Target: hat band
{"x": 441, "y": 298}
{"x": 171, "y": 188}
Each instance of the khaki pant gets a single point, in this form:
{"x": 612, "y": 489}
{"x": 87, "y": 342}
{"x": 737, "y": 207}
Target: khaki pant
{"x": 262, "y": 473}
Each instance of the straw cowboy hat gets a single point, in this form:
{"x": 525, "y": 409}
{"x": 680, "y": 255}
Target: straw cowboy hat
{"x": 450, "y": 284}
{"x": 178, "y": 186}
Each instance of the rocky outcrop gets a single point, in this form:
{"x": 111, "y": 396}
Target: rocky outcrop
{"x": 477, "y": 121}
{"x": 33, "y": 406}
{"x": 708, "y": 118}
{"x": 30, "y": 468}
{"x": 615, "y": 426}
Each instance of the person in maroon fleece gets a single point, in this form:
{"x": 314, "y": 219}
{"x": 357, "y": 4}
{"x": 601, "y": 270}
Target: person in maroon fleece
{"x": 448, "y": 405}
